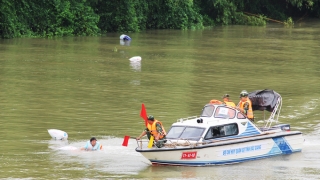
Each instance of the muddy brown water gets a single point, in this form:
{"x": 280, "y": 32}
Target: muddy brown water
{"x": 84, "y": 87}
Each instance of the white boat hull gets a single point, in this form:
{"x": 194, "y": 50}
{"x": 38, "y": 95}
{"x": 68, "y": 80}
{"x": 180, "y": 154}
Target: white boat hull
{"x": 227, "y": 152}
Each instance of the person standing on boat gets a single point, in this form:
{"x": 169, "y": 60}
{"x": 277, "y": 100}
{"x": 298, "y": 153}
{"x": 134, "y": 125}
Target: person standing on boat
{"x": 245, "y": 105}
{"x": 92, "y": 145}
{"x": 227, "y": 101}
{"x": 155, "y": 129}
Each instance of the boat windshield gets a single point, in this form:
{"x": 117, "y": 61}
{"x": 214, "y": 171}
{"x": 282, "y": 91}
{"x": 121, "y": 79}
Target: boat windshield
{"x": 182, "y": 132}
{"x": 224, "y": 112}
{"x": 207, "y": 111}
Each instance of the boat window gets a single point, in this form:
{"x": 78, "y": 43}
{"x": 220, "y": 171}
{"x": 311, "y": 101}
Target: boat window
{"x": 240, "y": 116}
{"x": 222, "y": 131}
{"x": 190, "y": 133}
{"x": 207, "y": 111}
{"x": 175, "y": 132}
{"x": 225, "y": 112}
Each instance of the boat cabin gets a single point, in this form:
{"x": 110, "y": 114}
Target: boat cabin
{"x": 220, "y": 122}
{"x": 217, "y": 121}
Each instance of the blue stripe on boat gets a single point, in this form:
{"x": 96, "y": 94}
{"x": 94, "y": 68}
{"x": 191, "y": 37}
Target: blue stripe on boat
{"x": 230, "y": 161}
{"x": 283, "y": 145}
{"x": 250, "y": 130}
{"x": 280, "y": 146}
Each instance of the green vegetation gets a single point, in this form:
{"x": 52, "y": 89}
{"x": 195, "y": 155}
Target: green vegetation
{"x": 289, "y": 22}
{"x": 47, "y": 18}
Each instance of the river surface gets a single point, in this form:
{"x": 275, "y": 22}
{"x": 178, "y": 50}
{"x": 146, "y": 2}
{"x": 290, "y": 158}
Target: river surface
{"x": 83, "y": 86}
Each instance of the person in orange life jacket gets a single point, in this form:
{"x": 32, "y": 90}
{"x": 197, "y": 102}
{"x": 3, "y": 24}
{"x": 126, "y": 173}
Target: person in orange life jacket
{"x": 155, "y": 129}
{"x": 227, "y": 101}
{"x": 245, "y": 105}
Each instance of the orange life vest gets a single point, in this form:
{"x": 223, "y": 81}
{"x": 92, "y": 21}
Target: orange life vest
{"x": 249, "y": 112}
{"x": 214, "y": 101}
{"x": 230, "y": 103}
{"x": 153, "y": 129}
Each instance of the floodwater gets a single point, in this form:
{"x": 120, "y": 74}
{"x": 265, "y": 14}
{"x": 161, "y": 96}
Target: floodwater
{"x": 81, "y": 85}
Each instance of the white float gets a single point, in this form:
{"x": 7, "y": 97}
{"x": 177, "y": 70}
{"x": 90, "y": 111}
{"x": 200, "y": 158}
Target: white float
{"x": 125, "y": 37}
{"x": 122, "y": 36}
{"x": 135, "y": 58}
{"x": 58, "y": 134}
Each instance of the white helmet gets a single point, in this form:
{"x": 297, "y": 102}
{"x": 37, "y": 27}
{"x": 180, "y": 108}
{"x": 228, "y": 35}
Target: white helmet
{"x": 244, "y": 93}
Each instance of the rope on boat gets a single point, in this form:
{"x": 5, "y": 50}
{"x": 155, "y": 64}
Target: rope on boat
{"x": 174, "y": 144}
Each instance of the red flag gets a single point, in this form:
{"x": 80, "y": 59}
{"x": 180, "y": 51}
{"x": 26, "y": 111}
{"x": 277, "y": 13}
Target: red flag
{"x": 143, "y": 114}
{"x": 125, "y": 141}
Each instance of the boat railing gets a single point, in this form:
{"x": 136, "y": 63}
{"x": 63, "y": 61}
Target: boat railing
{"x": 140, "y": 142}
{"x": 187, "y": 118}
{"x": 170, "y": 143}
{"x": 175, "y": 144}
{"x": 274, "y": 116}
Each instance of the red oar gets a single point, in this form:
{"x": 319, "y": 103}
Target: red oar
{"x": 125, "y": 141}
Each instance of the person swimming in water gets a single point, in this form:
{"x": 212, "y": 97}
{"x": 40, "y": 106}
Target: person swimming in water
{"x": 92, "y": 145}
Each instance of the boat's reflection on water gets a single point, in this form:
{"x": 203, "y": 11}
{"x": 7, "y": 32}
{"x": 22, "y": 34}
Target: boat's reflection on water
{"x": 259, "y": 169}
{"x": 179, "y": 172}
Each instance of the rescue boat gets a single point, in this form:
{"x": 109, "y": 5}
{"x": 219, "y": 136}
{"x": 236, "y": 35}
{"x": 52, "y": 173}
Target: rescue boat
{"x": 224, "y": 135}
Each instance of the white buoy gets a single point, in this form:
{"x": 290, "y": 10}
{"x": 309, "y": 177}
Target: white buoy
{"x": 58, "y": 134}
{"x": 122, "y": 36}
{"x": 125, "y": 37}
{"x": 135, "y": 58}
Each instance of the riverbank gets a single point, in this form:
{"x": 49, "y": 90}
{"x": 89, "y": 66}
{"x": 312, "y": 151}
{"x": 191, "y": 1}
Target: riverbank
{"x": 91, "y": 18}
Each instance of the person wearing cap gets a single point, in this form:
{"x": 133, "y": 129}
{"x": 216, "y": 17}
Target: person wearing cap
{"x": 227, "y": 101}
{"x": 245, "y": 105}
{"x": 155, "y": 129}
{"x": 92, "y": 145}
